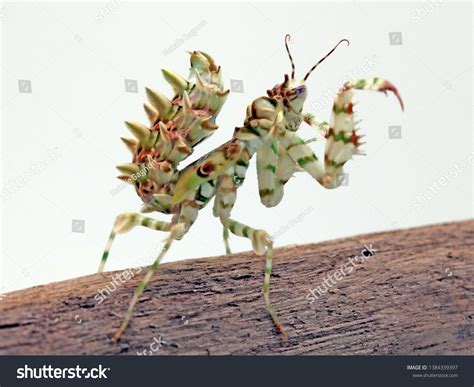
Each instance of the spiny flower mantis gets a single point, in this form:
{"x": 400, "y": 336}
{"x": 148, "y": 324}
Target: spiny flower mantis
{"x": 177, "y": 125}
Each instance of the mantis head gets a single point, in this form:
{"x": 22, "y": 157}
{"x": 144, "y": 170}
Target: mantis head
{"x": 292, "y": 92}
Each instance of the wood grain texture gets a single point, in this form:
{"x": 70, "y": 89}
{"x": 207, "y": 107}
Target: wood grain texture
{"x": 414, "y": 296}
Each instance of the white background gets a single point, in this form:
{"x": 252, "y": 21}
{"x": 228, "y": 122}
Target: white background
{"x": 77, "y": 57}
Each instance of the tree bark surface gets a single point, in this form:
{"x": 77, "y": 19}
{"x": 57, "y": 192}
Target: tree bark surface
{"x": 413, "y": 296}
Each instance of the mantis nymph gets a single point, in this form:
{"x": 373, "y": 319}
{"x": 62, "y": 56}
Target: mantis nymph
{"x": 269, "y": 131}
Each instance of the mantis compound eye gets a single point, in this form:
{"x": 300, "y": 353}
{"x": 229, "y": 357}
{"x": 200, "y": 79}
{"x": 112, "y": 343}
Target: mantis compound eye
{"x": 300, "y": 90}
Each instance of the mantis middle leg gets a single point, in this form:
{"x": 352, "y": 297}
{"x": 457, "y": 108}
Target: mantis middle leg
{"x": 261, "y": 240}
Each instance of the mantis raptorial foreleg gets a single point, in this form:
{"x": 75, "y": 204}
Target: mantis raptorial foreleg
{"x": 343, "y": 140}
{"x": 269, "y": 187}
{"x": 316, "y": 123}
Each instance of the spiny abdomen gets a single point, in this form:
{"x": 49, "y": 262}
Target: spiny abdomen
{"x": 176, "y": 127}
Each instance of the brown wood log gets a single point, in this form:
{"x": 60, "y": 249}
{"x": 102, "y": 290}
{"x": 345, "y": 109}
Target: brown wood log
{"x": 413, "y": 296}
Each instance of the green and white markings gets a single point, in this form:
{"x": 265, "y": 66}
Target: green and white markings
{"x": 178, "y": 124}
{"x": 266, "y": 287}
{"x": 267, "y": 160}
{"x": 262, "y": 244}
{"x": 343, "y": 138}
{"x": 126, "y": 222}
{"x": 376, "y": 84}
{"x": 105, "y": 255}
{"x": 225, "y": 235}
{"x": 141, "y": 287}
{"x": 205, "y": 192}
{"x": 303, "y": 156}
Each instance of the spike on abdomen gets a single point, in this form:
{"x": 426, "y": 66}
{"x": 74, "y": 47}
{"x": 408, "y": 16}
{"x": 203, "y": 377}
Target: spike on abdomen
{"x": 176, "y": 126}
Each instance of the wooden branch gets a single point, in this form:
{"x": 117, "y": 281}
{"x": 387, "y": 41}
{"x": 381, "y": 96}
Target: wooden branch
{"x": 414, "y": 296}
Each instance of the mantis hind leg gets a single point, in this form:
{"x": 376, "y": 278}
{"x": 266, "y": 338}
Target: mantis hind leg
{"x": 141, "y": 287}
{"x": 124, "y": 223}
{"x": 179, "y": 226}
